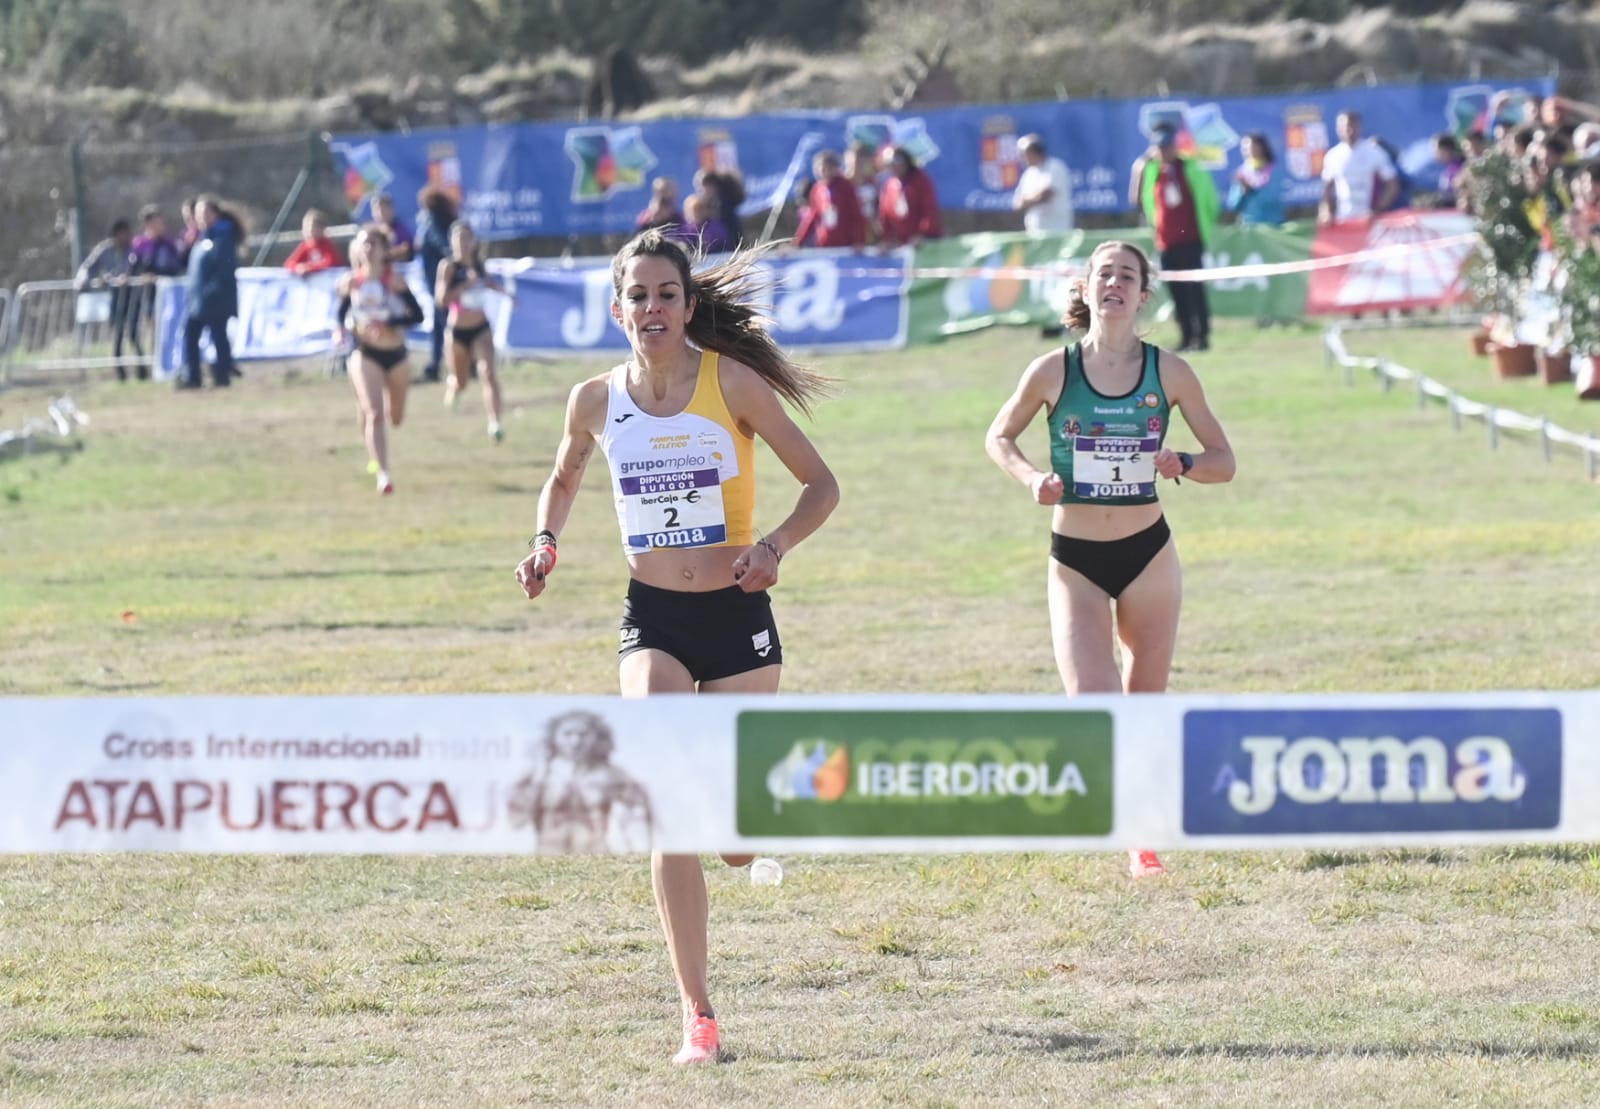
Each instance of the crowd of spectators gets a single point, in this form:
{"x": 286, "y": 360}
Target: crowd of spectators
{"x": 120, "y": 273}
{"x": 865, "y": 199}
{"x": 881, "y": 197}
{"x": 708, "y": 218}
{"x": 1553, "y": 158}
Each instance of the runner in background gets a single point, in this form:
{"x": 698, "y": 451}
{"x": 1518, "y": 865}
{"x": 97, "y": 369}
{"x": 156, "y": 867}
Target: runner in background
{"x": 376, "y": 307}
{"x": 462, "y": 291}
{"x": 1113, "y": 571}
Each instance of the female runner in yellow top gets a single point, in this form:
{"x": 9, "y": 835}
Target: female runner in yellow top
{"x": 677, "y": 422}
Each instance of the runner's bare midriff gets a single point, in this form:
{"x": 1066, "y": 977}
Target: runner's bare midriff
{"x": 1103, "y": 522}
{"x": 698, "y": 570}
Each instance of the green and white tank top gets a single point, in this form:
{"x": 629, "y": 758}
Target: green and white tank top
{"x": 1104, "y": 447}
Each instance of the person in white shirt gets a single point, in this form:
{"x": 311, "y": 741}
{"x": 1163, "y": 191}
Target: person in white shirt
{"x": 1044, "y": 192}
{"x": 1352, "y": 172}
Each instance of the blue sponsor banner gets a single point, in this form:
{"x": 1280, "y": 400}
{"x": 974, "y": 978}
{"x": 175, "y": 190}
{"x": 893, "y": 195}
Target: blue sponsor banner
{"x": 820, "y": 298}
{"x": 281, "y": 316}
{"x": 1309, "y": 771}
{"x": 542, "y": 179}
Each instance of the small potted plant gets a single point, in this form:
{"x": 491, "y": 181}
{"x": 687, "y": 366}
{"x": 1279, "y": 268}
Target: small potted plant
{"x": 1501, "y": 266}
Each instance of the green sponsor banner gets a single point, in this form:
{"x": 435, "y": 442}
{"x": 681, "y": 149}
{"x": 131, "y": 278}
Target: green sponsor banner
{"x": 889, "y": 773}
{"x": 944, "y": 305}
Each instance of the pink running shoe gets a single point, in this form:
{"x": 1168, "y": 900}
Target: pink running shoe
{"x": 700, "y": 1041}
{"x": 385, "y": 485}
{"x": 1144, "y": 864}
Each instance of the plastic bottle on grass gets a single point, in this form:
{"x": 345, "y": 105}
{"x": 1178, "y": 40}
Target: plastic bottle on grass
{"x": 766, "y": 872}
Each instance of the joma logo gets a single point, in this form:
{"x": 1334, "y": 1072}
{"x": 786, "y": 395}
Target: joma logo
{"x": 1312, "y": 770}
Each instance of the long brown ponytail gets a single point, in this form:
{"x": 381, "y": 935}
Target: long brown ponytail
{"x": 726, "y": 320}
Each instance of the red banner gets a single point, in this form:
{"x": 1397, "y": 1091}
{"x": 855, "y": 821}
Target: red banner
{"x": 1398, "y": 260}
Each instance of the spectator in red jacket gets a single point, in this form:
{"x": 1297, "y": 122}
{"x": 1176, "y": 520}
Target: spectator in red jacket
{"x": 316, "y": 251}
{"x": 908, "y": 208}
{"x": 861, "y": 167}
{"x": 834, "y": 212}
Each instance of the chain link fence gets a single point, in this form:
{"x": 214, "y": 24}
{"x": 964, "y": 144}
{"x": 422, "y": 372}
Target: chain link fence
{"x": 56, "y": 202}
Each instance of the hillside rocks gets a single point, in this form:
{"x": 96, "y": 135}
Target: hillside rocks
{"x": 138, "y": 147}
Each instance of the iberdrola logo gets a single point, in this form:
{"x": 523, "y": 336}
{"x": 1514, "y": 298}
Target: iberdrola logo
{"x": 997, "y": 284}
{"x": 811, "y": 771}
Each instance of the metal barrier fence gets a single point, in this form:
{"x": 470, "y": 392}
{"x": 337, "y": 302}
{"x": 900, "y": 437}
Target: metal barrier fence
{"x": 5, "y": 333}
{"x": 57, "y": 429}
{"x": 52, "y": 328}
{"x": 1495, "y": 419}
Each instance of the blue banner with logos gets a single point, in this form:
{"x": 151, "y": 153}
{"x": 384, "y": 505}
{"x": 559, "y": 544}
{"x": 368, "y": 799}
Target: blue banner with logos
{"x": 554, "y": 179}
{"x": 1327, "y": 771}
{"x": 818, "y": 299}
{"x": 280, "y": 316}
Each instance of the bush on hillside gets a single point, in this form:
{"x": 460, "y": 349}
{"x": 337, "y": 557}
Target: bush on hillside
{"x": 307, "y": 47}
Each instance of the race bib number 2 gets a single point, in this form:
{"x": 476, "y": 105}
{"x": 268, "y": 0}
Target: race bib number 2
{"x": 1103, "y": 466}
{"x": 682, "y": 509}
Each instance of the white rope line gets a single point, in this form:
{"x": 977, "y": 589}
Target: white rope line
{"x": 1450, "y": 244}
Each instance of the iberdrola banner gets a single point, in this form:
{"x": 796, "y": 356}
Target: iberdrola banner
{"x": 602, "y": 775}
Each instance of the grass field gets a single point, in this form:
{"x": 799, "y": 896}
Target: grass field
{"x": 231, "y": 543}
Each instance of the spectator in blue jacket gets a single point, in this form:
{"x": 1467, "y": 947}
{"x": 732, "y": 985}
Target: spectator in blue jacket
{"x": 212, "y": 292}
{"x": 437, "y": 212}
{"x": 1256, "y": 195}
{"x": 1404, "y": 186}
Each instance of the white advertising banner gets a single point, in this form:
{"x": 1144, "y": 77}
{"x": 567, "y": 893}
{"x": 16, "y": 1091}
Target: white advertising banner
{"x": 502, "y": 774}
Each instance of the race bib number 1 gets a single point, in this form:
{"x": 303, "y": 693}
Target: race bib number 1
{"x": 1111, "y": 467}
{"x": 682, "y": 509}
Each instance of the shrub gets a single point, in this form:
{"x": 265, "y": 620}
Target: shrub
{"x": 1502, "y": 262}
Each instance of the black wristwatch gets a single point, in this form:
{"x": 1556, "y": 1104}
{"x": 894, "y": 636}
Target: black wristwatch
{"x": 1188, "y": 462}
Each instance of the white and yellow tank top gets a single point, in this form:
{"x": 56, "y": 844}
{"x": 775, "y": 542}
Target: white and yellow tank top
{"x": 679, "y": 481}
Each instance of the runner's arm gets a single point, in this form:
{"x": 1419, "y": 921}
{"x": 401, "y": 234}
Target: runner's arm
{"x": 586, "y": 407}
{"x": 413, "y": 310}
{"x": 1215, "y": 462}
{"x": 752, "y": 402}
{"x": 1040, "y": 384}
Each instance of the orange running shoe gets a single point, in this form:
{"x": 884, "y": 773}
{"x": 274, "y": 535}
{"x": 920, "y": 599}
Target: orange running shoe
{"x": 700, "y": 1041}
{"x": 1144, "y": 864}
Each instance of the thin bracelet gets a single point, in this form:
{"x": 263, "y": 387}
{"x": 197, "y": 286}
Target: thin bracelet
{"x": 777, "y": 555}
